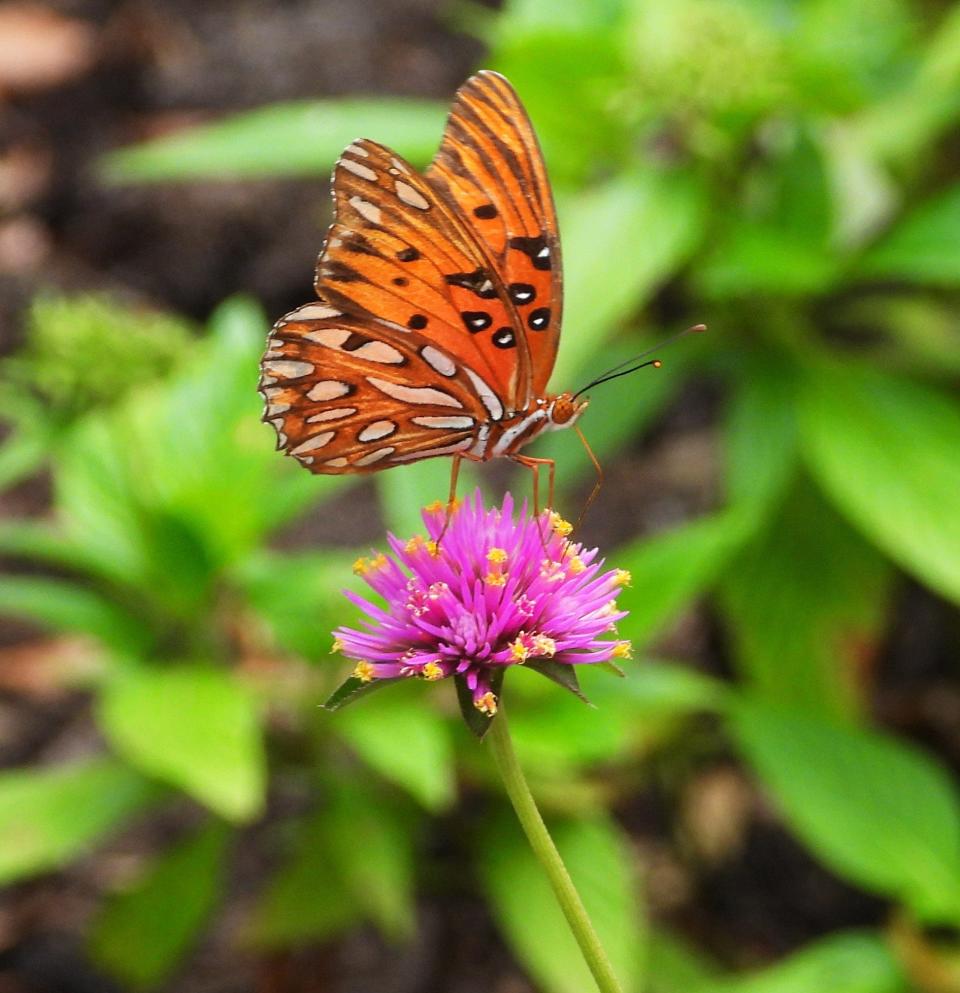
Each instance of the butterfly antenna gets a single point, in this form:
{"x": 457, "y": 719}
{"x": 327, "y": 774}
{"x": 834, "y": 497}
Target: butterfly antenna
{"x": 618, "y": 370}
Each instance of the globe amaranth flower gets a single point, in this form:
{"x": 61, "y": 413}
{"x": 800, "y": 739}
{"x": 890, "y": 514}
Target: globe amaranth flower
{"x": 487, "y": 593}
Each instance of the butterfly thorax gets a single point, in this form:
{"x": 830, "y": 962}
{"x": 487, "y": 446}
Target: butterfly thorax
{"x": 517, "y": 428}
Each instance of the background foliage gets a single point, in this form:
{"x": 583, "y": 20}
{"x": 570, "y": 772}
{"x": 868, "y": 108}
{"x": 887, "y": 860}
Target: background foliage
{"x": 785, "y": 172}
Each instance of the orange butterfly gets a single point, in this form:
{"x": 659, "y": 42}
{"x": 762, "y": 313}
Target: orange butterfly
{"x": 438, "y": 314}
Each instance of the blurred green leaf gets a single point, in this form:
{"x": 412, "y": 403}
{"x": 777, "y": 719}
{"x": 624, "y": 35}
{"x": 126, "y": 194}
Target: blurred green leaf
{"x": 405, "y": 492}
{"x": 761, "y": 434}
{"x": 764, "y": 259}
{"x": 193, "y": 726}
{"x": 885, "y": 450}
{"x": 307, "y": 900}
{"x": 598, "y": 857}
{"x": 877, "y": 811}
{"x": 284, "y": 139}
{"x": 369, "y": 840}
{"x": 50, "y": 816}
{"x": 621, "y": 240}
{"x": 922, "y": 247}
{"x": 21, "y": 454}
{"x": 676, "y": 967}
{"x": 556, "y": 734}
{"x": 671, "y": 568}
{"x": 64, "y": 606}
{"x": 297, "y": 595}
{"x": 846, "y": 962}
{"x": 144, "y": 930}
{"x": 806, "y": 601}
{"x": 402, "y": 737}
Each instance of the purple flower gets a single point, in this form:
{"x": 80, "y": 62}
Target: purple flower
{"x": 495, "y": 592}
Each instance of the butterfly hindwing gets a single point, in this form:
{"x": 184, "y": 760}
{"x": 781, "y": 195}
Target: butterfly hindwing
{"x": 351, "y": 395}
{"x": 491, "y": 168}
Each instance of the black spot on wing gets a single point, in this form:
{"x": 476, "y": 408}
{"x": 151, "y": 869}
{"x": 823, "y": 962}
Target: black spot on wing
{"x": 521, "y": 293}
{"x": 486, "y": 211}
{"x": 504, "y": 338}
{"x": 408, "y": 254}
{"x": 417, "y": 322}
{"x": 539, "y": 319}
{"x": 476, "y": 320}
{"x": 478, "y": 282}
{"x": 536, "y": 249}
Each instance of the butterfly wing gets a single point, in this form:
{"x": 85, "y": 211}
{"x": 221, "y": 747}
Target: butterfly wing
{"x": 398, "y": 254}
{"x": 349, "y": 394}
{"x": 491, "y": 169}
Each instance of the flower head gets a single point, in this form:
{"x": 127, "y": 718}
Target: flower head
{"x": 492, "y": 592}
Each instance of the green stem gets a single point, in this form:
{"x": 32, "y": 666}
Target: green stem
{"x": 546, "y": 851}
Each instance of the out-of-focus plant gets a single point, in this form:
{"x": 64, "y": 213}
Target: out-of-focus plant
{"x": 80, "y": 352}
{"x": 782, "y": 172}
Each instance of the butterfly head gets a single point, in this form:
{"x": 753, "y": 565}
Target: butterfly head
{"x": 563, "y": 410}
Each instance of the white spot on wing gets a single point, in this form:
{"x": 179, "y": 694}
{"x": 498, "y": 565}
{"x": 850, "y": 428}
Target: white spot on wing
{"x": 411, "y": 197}
{"x": 336, "y": 414}
{"x": 357, "y": 169}
{"x": 453, "y": 421}
{"x": 368, "y": 211}
{"x": 328, "y": 389}
{"x": 438, "y": 361}
{"x": 277, "y": 408}
{"x": 380, "y": 453}
{"x": 379, "y": 351}
{"x": 377, "y": 430}
{"x": 313, "y": 311}
{"x": 330, "y": 337}
{"x": 355, "y": 150}
{"x": 337, "y": 463}
{"x": 414, "y": 394}
{"x": 372, "y": 351}
{"x": 311, "y": 444}
{"x": 287, "y": 369}
{"x": 489, "y": 399}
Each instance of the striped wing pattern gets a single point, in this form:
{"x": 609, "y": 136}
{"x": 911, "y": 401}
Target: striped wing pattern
{"x": 438, "y": 303}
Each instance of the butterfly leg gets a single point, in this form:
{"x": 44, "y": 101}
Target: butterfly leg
{"x": 452, "y": 497}
{"x": 597, "y": 484}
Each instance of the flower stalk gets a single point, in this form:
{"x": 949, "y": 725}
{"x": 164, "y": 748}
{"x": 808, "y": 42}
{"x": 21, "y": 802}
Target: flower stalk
{"x": 528, "y": 814}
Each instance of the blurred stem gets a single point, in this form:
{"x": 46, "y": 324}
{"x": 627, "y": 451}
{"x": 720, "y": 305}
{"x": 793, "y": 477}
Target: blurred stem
{"x": 546, "y": 851}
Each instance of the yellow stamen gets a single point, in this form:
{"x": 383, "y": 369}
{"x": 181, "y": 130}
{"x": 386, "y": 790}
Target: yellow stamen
{"x": 487, "y": 704}
{"x": 433, "y": 548}
{"x": 519, "y": 651}
{"x": 559, "y": 525}
{"x": 337, "y": 645}
{"x": 364, "y": 672}
{"x": 432, "y": 671}
{"x": 575, "y": 565}
{"x": 495, "y": 579}
{"x": 379, "y": 561}
{"x": 622, "y": 577}
{"x": 414, "y": 544}
{"x": 609, "y": 608}
{"x": 497, "y": 555}
{"x": 360, "y": 566}
{"x": 623, "y": 650}
{"x": 435, "y": 507}
{"x": 542, "y": 645}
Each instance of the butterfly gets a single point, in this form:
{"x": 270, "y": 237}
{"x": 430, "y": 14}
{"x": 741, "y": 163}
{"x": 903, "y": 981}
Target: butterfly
{"x": 438, "y": 309}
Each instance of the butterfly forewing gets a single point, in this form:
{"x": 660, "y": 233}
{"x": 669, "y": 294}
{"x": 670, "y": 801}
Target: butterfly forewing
{"x": 352, "y": 395}
{"x": 490, "y": 166}
{"x": 398, "y": 253}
